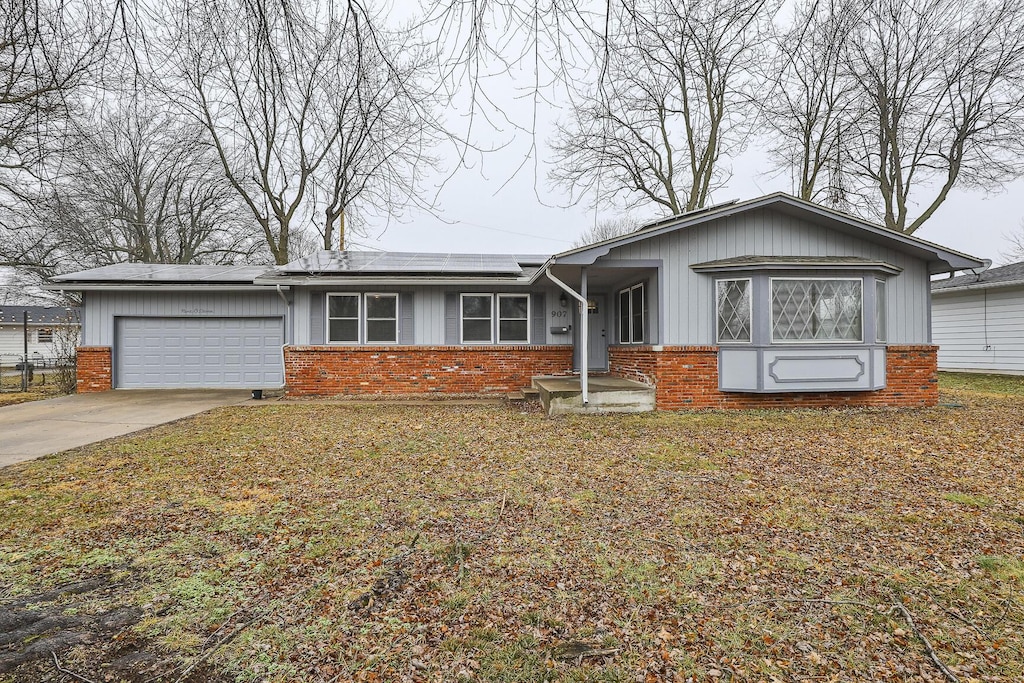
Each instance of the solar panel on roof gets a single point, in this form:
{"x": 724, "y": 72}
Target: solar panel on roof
{"x": 403, "y": 262}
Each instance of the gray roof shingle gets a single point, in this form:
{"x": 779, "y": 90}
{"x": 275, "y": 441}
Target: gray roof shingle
{"x": 1003, "y": 276}
{"x": 39, "y": 315}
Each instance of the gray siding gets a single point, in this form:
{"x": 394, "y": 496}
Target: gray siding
{"x": 103, "y": 307}
{"x": 980, "y": 330}
{"x": 429, "y": 315}
{"x": 687, "y": 306}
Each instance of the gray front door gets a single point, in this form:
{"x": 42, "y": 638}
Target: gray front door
{"x": 597, "y": 347}
{"x": 194, "y": 353}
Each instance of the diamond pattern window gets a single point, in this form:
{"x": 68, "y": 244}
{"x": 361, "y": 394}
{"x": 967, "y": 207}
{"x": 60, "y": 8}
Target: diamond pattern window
{"x": 817, "y": 310}
{"x": 733, "y": 299}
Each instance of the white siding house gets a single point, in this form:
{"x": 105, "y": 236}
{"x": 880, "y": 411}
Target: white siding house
{"x": 45, "y": 324}
{"x": 978, "y": 321}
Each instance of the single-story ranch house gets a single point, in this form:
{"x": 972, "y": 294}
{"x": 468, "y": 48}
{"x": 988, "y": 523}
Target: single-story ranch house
{"x": 769, "y": 302}
{"x": 978, "y": 320}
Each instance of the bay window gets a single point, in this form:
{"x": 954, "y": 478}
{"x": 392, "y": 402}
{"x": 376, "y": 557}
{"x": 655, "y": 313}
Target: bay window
{"x": 817, "y": 310}
{"x": 733, "y": 310}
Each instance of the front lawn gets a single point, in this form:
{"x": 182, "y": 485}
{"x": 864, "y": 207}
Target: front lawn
{"x": 433, "y": 543}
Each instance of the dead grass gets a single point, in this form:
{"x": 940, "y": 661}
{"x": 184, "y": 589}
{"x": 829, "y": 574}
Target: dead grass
{"x": 35, "y": 393}
{"x": 427, "y": 543}
{"x": 977, "y": 382}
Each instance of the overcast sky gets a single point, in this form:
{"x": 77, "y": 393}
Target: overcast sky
{"x": 484, "y": 216}
{"x": 491, "y": 207}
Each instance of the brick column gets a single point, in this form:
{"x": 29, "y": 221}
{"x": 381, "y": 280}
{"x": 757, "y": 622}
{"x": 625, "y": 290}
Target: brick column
{"x": 95, "y": 370}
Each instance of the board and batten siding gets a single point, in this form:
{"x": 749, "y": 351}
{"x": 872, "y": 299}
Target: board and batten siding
{"x": 103, "y": 307}
{"x": 430, "y": 315}
{"x": 688, "y": 314}
{"x": 980, "y": 330}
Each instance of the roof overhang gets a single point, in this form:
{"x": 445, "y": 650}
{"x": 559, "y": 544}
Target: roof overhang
{"x": 976, "y": 286}
{"x": 392, "y": 281}
{"x": 939, "y": 258}
{"x": 760, "y": 263}
{"x": 71, "y": 286}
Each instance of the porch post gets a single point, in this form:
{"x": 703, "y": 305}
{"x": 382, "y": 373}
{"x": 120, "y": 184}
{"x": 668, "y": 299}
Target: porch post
{"x": 582, "y": 299}
{"x": 584, "y": 337}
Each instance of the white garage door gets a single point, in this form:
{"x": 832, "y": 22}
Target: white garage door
{"x": 155, "y": 353}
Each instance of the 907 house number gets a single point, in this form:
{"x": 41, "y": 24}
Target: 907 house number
{"x": 559, "y": 314}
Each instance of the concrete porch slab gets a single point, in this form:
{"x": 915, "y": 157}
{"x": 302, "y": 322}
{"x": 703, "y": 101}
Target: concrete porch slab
{"x": 563, "y": 395}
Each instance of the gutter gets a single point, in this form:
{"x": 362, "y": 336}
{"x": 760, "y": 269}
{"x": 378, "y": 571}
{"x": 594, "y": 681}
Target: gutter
{"x": 161, "y": 286}
{"x": 584, "y": 332}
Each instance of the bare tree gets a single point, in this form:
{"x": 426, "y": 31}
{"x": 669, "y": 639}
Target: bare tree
{"x": 679, "y": 91}
{"x": 941, "y": 89}
{"x": 315, "y": 112}
{"x": 1015, "y": 252}
{"x": 141, "y": 186}
{"x": 808, "y": 114}
{"x": 606, "y": 229}
{"x": 48, "y": 50}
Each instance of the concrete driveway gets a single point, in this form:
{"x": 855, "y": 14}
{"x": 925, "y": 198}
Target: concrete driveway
{"x": 30, "y": 430}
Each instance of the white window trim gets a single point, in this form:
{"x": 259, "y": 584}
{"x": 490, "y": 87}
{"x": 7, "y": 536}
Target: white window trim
{"x": 496, "y": 307}
{"x": 365, "y": 317}
{"x": 885, "y": 291}
{"x": 328, "y": 318}
{"x": 632, "y": 337}
{"x": 750, "y": 310}
{"x": 823, "y": 342}
{"x": 462, "y": 317}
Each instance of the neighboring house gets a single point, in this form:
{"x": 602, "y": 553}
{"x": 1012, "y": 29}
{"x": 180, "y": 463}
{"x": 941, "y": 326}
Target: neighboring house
{"x": 43, "y": 333}
{"x": 769, "y": 302}
{"x": 978, "y": 320}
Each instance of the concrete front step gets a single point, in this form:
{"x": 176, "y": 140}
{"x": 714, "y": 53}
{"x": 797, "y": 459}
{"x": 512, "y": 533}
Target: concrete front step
{"x": 563, "y": 395}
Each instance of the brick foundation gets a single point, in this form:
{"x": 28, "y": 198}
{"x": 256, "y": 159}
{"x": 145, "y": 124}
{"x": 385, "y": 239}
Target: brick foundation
{"x": 94, "y": 369}
{"x": 332, "y": 370}
{"x": 687, "y": 377}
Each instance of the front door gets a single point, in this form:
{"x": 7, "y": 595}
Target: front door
{"x": 597, "y": 347}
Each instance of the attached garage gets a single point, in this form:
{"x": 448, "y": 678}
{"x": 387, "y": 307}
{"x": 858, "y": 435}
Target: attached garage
{"x": 193, "y": 353}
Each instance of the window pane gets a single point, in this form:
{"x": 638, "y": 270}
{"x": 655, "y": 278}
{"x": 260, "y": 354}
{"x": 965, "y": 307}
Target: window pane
{"x": 381, "y": 331}
{"x": 816, "y": 310}
{"x": 476, "y": 330}
{"x": 637, "y": 328}
{"x": 513, "y": 307}
{"x": 733, "y": 310}
{"x": 381, "y": 306}
{"x": 343, "y": 331}
{"x": 624, "y": 317}
{"x": 880, "y": 331}
{"x": 476, "y": 307}
{"x": 512, "y": 331}
{"x": 343, "y": 306}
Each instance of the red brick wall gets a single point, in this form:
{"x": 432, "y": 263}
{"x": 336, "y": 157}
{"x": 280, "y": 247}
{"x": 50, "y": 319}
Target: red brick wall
{"x": 94, "y": 372}
{"x": 687, "y": 377}
{"x": 327, "y": 370}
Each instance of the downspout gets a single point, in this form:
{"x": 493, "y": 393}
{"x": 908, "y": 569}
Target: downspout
{"x": 287, "y": 321}
{"x": 584, "y": 315}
